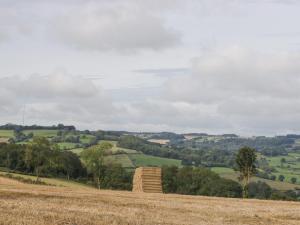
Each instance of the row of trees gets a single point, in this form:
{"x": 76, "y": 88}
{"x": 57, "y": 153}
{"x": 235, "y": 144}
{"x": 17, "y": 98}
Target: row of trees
{"x": 41, "y": 158}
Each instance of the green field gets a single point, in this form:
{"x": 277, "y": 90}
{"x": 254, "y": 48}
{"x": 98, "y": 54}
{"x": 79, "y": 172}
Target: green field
{"x": 66, "y": 145}
{"x": 6, "y": 133}
{"x": 86, "y": 138}
{"x": 232, "y": 175}
{"x": 122, "y": 159}
{"x": 42, "y": 133}
{"x": 289, "y": 169}
{"x": 147, "y": 160}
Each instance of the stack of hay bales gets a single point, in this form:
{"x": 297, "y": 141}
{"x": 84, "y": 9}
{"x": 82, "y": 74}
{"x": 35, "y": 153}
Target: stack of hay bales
{"x": 147, "y": 179}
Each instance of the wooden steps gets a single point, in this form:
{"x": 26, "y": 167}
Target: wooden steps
{"x": 147, "y": 179}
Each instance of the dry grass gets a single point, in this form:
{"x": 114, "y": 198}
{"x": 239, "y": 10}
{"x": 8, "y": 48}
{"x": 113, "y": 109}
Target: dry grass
{"x": 4, "y": 140}
{"x": 32, "y": 204}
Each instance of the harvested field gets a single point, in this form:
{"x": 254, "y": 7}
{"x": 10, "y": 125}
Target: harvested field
{"x": 159, "y": 141}
{"x": 33, "y": 204}
{"x": 4, "y": 140}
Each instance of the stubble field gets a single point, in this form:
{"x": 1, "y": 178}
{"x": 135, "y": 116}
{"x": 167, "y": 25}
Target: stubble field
{"x": 44, "y": 205}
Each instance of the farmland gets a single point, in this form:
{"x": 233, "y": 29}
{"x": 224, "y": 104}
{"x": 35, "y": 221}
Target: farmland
{"x": 231, "y": 174}
{"x": 129, "y": 157}
{"x": 79, "y": 205}
{"x": 289, "y": 168}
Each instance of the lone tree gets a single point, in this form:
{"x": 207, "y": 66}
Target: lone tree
{"x": 282, "y": 161}
{"x": 93, "y": 158}
{"x": 245, "y": 160}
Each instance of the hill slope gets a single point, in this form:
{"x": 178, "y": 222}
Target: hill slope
{"x": 34, "y": 204}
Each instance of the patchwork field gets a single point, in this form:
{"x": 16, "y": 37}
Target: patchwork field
{"x": 231, "y": 174}
{"x": 35, "y": 205}
{"x": 290, "y": 168}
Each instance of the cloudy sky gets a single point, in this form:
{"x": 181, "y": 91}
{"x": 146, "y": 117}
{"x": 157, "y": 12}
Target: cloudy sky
{"x": 216, "y": 66}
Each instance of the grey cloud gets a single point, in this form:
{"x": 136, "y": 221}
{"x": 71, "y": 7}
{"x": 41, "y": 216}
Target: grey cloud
{"x": 57, "y": 97}
{"x": 165, "y": 72}
{"x": 250, "y": 90}
{"x": 120, "y": 27}
{"x": 235, "y": 71}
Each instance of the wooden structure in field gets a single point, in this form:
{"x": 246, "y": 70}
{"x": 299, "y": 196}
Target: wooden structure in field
{"x": 147, "y": 179}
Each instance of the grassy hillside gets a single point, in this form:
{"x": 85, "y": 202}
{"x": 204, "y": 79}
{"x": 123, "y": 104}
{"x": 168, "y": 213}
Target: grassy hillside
{"x": 231, "y": 174}
{"x": 50, "y": 181}
{"x": 35, "y": 204}
{"x": 290, "y": 168}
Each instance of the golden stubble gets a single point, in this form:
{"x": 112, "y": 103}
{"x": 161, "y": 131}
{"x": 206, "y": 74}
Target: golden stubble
{"x": 24, "y": 204}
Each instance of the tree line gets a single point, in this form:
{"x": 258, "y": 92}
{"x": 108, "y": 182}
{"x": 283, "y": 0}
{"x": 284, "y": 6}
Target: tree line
{"x": 42, "y": 158}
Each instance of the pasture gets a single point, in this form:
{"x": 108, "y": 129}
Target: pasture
{"x": 38, "y": 204}
{"x": 66, "y": 145}
{"x": 147, "y": 160}
{"x": 42, "y": 133}
{"x": 290, "y": 168}
{"x": 6, "y": 133}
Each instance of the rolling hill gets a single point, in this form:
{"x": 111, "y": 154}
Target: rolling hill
{"x": 131, "y": 158}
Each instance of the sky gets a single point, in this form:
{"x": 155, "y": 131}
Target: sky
{"x": 214, "y": 66}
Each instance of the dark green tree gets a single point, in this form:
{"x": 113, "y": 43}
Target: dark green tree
{"x": 293, "y": 180}
{"x": 281, "y": 177}
{"x": 169, "y": 177}
{"x": 282, "y": 161}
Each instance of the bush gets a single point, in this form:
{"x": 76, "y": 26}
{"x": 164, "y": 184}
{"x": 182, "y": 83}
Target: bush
{"x": 259, "y": 190}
